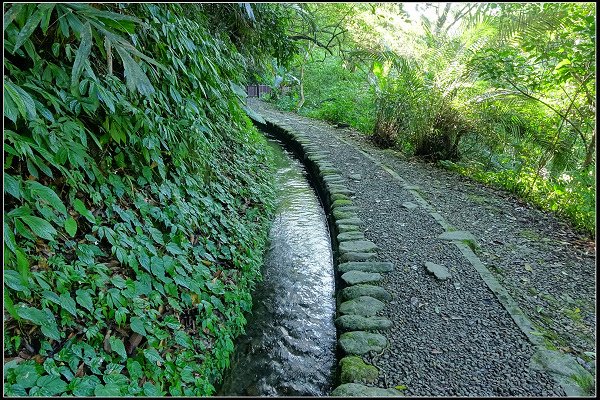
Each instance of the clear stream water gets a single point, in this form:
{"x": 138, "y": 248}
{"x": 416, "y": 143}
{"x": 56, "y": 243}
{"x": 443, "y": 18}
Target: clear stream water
{"x": 289, "y": 345}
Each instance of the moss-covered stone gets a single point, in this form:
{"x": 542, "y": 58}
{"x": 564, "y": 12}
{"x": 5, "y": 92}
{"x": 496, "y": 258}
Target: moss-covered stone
{"x": 337, "y": 214}
{"x": 340, "y": 201}
{"x": 366, "y": 266}
{"x": 346, "y": 208}
{"x": 354, "y": 370}
{"x": 360, "y": 323}
{"x": 352, "y": 235}
{"x": 355, "y": 256}
{"x": 348, "y": 228}
{"x": 355, "y": 291}
{"x": 363, "y": 305}
{"x": 356, "y": 277}
{"x": 338, "y": 196}
{"x": 357, "y": 245}
{"x": 360, "y": 342}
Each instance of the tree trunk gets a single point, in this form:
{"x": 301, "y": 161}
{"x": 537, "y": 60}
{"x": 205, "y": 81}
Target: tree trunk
{"x": 301, "y": 102}
{"x": 589, "y": 154}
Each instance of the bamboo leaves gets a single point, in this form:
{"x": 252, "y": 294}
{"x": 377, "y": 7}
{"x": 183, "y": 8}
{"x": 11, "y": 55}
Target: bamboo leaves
{"x": 32, "y": 22}
{"x": 20, "y": 102}
{"x": 82, "y": 55}
{"x": 134, "y": 75}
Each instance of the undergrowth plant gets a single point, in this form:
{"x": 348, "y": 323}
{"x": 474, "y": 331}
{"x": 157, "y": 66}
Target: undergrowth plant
{"x": 137, "y": 198}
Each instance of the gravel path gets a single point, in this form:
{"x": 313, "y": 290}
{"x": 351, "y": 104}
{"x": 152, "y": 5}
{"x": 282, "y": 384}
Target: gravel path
{"x": 453, "y": 337}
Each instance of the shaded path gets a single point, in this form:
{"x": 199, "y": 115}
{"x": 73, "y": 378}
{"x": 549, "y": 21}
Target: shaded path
{"x": 454, "y": 337}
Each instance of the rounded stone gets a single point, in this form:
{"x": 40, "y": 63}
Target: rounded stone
{"x": 337, "y": 201}
{"x": 348, "y": 228}
{"x": 366, "y": 266}
{"x": 361, "y": 342}
{"x": 355, "y": 291}
{"x": 352, "y": 235}
{"x": 360, "y": 323}
{"x": 363, "y": 305}
{"x": 355, "y": 277}
{"x": 357, "y": 246}
{"x": 354, "y": 369}
{"x": 356, "y": 256}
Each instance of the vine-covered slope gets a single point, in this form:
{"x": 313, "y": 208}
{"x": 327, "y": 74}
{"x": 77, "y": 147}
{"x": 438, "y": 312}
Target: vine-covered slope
{"x": 137, "y": 198}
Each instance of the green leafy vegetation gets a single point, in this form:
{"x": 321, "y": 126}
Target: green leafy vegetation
{"x": 137, "y": 196}
{"x": 502, "y": 93}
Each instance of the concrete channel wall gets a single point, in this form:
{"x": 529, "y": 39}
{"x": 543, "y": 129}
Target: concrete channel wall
{"x": 358, "y": 296}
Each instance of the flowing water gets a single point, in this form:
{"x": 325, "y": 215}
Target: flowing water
{"x": 289, "y": 345}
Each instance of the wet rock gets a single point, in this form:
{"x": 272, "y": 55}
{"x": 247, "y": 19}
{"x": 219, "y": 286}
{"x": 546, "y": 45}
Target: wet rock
{"x": 367, "y": 266}
{"x": 354, "y": 369}
{"x": 328, "y": 170}
{"x": 338, "y": 196}
{"x": 360, "y": 323}
{"x": 356, "y": 256}
{"x": 409, "y": 205}
{"x": 338, "y": 200}
{"x": 355, "y": 291}
{"x": 412, "y": 187}
{"x": 360, "y": 342}
{"x": 439, "y": 271}
{"x": 348, "y": 228}
{"x": 363, "y": 305}
{"x": 346, "y": 208}
{"x": 457, "y": 235}
{"x": 348, "y": 221}
{"x": 359, "y": 390}
{"x": 355, "y": 277}
{"x": 341, "y": 215}
{"x": 357, "y": 246}
{"x": 333, "y": 178}
{"x": 352, "y": 235}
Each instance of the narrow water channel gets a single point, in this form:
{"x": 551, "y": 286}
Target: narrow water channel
{"x": 289, "y": 345}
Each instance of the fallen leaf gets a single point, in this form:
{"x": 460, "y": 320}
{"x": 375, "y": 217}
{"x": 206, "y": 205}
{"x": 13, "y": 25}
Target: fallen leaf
{"x": 527, "y": 267}
{"x": 79, "y": 372}
{"x": 134, "y": 342}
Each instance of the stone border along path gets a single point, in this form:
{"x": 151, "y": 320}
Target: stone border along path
{"x": 361, "y": 340}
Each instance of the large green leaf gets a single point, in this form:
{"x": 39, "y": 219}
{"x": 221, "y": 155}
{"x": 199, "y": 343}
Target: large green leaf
{"x": 71, "y": 226}
{"x": 39, "y": 226}
{"x": 9, "y": 237}
{"x": 9, "y": 305}
{"x": 32, "y": 314}
{"x": 83, "y": 53}
{"x": 12, "y": 12}
{"x": 81, "y": 209}
{"x": 45, "y": 193}
{"x": 153, "y": 356}
{"x": 84, "y": 298}
{"x": 135, "y": 77}
{"x": 68, "y": 303}
{"x": 12, "y": 186}
{"x": 137, "y": 325}
{"x": 118, "y": 347}
{"x": 21, "y": 98}
{"x": 32, "y": 22}
{"x": 49, "y": 385}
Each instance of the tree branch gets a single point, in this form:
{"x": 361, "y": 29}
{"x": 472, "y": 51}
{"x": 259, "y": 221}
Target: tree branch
{"x": 564, "y": 117}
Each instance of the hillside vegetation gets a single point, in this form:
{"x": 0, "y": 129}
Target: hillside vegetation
{"x": 137, "y": 195}
{"x": 503, "y": 93}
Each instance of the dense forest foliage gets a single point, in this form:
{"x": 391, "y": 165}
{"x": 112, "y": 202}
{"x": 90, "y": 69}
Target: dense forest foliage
{"x": 137, "y": 194}
{"x": 501, "y": 92}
